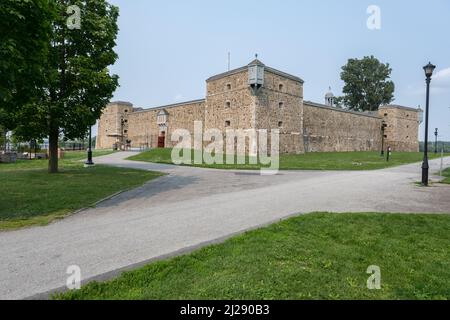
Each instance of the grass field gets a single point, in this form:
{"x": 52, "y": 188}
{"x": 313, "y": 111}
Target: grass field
{"x": 316, "y": 256}
{"x": 31, "y": 196}
{"x": 446, "y": 174}
{"x": 308, "y": 161}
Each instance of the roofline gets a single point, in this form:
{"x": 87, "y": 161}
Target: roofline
{"x": 171, "y": 105}
{"x": 284, "y": 74}
{"x": 121, "y": 103}
{"x": 396, "y": 106}
{"x": 319, "y": 105}
{"x": 245, "y": 68}
{"x": 228, "y": 73}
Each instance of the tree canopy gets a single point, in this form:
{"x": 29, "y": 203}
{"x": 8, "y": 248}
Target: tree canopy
{"x": 25, "y": 34}
{"x": 76, "y": 84}
{"x": 367, "y": 85}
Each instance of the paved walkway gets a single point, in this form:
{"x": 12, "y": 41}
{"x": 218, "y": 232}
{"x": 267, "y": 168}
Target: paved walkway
{"x": 191, "y": 207}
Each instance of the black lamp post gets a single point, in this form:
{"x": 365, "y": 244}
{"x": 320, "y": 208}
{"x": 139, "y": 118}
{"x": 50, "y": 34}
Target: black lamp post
{"x": 122, "y": 124}
{"x": 436, "y": 141}
{"x": 383, "y": 128}
{"x": 429, "y": 68}
{"x": 89, "y": 161}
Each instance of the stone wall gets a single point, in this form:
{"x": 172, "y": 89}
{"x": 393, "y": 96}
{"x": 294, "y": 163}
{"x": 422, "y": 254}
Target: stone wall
{"x": 329, "y": 129}
{"x": 110, "y": 127}
{"x": 232, "y": 104}
{"x": 183, "y": 117}
{"x": 279, "y": 105}
{"x": 402, "y": 132}
{"x": 229, "y": 99}
{"x": 144, "y": 130}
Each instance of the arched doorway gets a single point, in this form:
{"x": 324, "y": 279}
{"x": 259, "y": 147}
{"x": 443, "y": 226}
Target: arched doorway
{"x": 162, "y": 120}
{"x": 162, "y": 140}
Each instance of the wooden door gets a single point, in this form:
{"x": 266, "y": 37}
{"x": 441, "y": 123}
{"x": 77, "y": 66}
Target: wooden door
{"x": 162, "y": 140}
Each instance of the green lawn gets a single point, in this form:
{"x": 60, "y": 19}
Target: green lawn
{"x": 81, "y": 155}
{"x": 30, "y": 196}
{"x": 446, "y": 174}
{"x": 308, "y": 161}
{"x": 71, "y": 158}
{"x": 316, "y": 256}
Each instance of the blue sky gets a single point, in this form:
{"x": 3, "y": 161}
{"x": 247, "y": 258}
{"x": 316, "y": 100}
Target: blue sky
{"x": 168, "y": 48}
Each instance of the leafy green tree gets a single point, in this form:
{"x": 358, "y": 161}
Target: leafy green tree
{"x": 78, "y": 84}
{"x": 367, "y": 85}
{"x": 25, "y": 33}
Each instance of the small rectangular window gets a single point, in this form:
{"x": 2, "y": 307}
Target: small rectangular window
{"x": 227, "y": 123}
{"x": 280, "y": 124}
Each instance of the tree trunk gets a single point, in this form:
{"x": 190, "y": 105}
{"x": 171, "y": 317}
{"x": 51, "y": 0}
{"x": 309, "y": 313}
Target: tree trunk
{"x": 53, "y": 150}
{"x": 4, "y": 137}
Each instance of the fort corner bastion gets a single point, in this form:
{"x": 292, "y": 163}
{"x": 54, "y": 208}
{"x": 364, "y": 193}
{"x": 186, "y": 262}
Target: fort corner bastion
{"x": 259, "y": 97}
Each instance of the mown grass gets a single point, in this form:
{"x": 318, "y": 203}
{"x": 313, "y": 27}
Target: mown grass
{"x": 308, "y": 161}
{"x": 31, "y": 196}
{"x": 71, "y": 158}
{"x": 316, "y": 256}
{"x": 446, "y": 174}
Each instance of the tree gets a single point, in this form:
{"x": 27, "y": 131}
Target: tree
{"x": 367, "y": 85}
{"x": 25, "y": 32}
{"x": 78, "y": 84}
{"x": 2, "y": 138}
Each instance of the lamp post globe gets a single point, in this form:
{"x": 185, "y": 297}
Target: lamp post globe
{"x": 429, "y": 69}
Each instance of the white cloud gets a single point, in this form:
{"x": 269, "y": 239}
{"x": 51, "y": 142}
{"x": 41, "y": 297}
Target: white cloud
{"x": 443, "y": 74}
{"x": 442, "y": 78}
{"x": 440, "y": 83}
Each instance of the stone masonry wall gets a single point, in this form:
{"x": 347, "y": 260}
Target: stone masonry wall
{"x": 229, "y": 99}
{"x": 231, "y": 104}
{"x": 183, "y": 117}
{"x": 279, "y": 105}
{"x": 109, "y": 128}
{"x": 402, "y": 132}
{"x": 330, "y": 129}
{"x": 144, "y": 129}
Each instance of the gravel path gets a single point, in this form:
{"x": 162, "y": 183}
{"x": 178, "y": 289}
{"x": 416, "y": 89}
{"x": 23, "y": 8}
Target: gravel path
{"x": 191, "y": 207}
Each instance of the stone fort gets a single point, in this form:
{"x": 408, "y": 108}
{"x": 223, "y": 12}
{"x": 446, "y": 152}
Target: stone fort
{"x": 260, "y": 97}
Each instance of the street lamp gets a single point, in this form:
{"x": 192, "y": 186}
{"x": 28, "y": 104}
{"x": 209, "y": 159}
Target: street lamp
{"x": 436, "y": 141}
{"x": 429, "y": 68}
{"x": 122, "y": 124}
{"x": 383, "y": 128}
{"x": 89, "y": 161}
